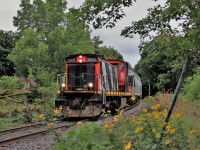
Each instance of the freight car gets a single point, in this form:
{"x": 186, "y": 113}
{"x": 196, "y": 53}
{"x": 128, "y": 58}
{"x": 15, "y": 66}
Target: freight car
{"x": 92, "y": 84}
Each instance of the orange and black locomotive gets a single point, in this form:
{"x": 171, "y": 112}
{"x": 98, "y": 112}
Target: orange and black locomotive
{"x": 92, "y": 84}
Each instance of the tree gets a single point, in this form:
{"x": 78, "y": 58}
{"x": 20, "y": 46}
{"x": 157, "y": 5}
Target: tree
{"x": 41, "y": 54}
{"x": 187, "y": 43}
{"x": 7, "y": 42}
{"x": 157, "y": 66}
{"x": 159, "y": 20}
{"x": 41, "y": 16}
{"x": 104, "y": 13}
{"x": 30, "y": 56}
{"x": 47, "y": 36}
{"x": 110, "y": 53}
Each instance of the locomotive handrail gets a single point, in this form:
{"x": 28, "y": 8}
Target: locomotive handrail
{"x": 64, "y": 75}
{"x": 82, "y": 74}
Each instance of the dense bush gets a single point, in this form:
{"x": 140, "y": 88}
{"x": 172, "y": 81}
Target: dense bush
{"x": 85, "y": 136}
{"x": 192, "y": 86}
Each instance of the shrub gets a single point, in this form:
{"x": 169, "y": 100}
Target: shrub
{"x": 192, "y": 86}
{"x": 85, "y": 136}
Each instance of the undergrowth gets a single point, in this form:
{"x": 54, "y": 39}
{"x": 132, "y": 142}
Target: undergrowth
{"x": 140, "y": 131}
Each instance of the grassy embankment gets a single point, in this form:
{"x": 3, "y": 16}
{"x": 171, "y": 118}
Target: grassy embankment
{"x": 143, "y": 130}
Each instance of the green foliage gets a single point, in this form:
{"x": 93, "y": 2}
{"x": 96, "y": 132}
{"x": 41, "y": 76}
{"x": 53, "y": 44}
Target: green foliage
{"x": 12, "y": 82}
{"x": 192, "y": 86}
{"x": 41, "y": 16}
{"x": 144, "y": 131}
{"x": 158, "y": 20}
{"x": 7, "y": 42}
{"x": 85, "y": 136}
{"x": 10, "y": 121}
{"x": 104, "y": 13}
{"x": 46, "y": 99}
{"x": 156, "y": 66}
{"x": 163, "y": 80}
{"x": 110, "y": 53}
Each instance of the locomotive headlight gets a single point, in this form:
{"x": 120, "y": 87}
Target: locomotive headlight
{"x": 63, "y": 85}
{"x": 90, "y": 84}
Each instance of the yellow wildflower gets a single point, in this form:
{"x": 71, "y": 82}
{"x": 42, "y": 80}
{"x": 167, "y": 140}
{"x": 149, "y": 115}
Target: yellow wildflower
{"x": 155, "y": 107}
{"x": 172, "y": 131}
{"x": 144, "y": 110}
{"x": 108, "y": 111}
{"x": 164, "y": 124}
{"x": 133, "y": 117}
{"x": 41, "y": 116}
{"x": 127, "y": 146}
{"x": 157, "y": 135}
{"x": 168, "y": 127}
{"x": 193, "y": 131}
{"x": 50, "y": 125}
{"x": 110, "y": 131}
{"x": 178, "y": 115}
{"x": 79, "y": 122}
{"x": 126, "y": 133}
{"x": 56, "y": 111}
{"x": 153, "y": 130}
{"x": 108, "y": 124}
{"x": 148, "y": 115}
{"x": 137, "y": 130}
{"x": 156, "y": 116}
{"x": 137, "y": 123}
{"x": 167, "y": 142}
{"x": 115, "y": 119}
{"x": 141, "y": 119}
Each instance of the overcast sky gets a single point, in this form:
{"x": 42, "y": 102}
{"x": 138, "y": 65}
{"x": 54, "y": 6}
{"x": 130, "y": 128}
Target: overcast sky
{"x": 111, "y": 37}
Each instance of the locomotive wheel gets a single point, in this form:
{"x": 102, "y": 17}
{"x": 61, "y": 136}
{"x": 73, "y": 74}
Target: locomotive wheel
{"x": 113, "y": 108}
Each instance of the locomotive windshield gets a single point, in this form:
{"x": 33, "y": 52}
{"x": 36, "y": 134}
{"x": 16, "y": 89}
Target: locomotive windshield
{"x": 80, "y": 76}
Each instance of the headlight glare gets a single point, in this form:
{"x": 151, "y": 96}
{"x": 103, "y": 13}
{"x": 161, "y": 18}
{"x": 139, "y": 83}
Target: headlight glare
{"x": 90, "y": 85}
{"x": 63, "y": 85}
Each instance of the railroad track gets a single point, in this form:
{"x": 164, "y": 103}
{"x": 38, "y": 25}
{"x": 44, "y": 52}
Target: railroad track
{"x": 32, "y": 131}
{"x": 17, "y": 134}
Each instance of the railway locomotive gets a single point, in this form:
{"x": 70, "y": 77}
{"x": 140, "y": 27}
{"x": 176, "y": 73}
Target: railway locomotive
{"x": 92, "y": 84}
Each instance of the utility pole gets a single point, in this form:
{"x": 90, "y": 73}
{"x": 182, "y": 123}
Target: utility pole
{"x": 174, "y": 98}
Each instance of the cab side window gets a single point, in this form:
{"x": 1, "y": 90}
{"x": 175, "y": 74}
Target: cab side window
{"x": 121, "y": 67}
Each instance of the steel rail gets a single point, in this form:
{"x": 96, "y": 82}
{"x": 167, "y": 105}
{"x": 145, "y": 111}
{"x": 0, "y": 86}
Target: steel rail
{"x": 31, "y": 134}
